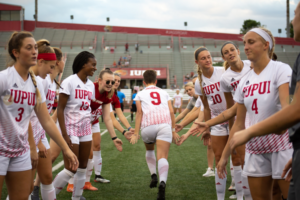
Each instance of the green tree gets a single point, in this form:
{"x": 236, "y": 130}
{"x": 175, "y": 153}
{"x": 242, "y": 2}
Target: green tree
{"x": 249, "y": 24}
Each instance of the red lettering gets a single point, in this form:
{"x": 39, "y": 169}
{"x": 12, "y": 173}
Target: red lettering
{"x": 76, "y": 96}
{"x": 269, "y": 85}
{"x": 254, "y": 106}
{"x": 248, "y": 88}
{"x": 217, "y": 86}
{"x": 16, "y": 97}
{"x": 85, "y": 94}
{"x": 156, "y": 96}
{"x": 21, "y": 111}
{"x": 262, "y": 87}
{"x": 206, "y": 90}
{"x": 24, "y": 96}
{"x": 212, "y": 87}
{"x": 255, "y": 87}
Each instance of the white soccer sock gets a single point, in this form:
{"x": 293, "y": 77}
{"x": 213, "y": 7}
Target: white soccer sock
{"x": 231, "y": 171}
{"x": 163, "y": 168}
{"x": 89, "y": 170}
{"x": 237, "y": 170}
{"x": 79, "y": 181}
{"x": 48, "y": 192}
{"x": 246, "y": 188}
{"x": 61, "y": 180}
{"x": 220, "y": 186}
{"x": 97, "y": 162}
{"x": 151, "y": 161}
{"x": 71, "y": 181}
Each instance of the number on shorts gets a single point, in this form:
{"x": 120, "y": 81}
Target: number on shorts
{"x": 21, "y": 111}
{"x": 156, "y": 96}
{"x": 216, "y": 99}
{"x": 254, "y": 106}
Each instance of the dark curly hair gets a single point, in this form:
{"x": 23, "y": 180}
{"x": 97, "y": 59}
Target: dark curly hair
{"x": 81, "y": 59}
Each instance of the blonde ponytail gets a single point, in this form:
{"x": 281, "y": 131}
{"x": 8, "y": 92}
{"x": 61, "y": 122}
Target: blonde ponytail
{"x": 226, "y": 65}
{"x": 37, "y": 92}
{"x": 44, "y": 46}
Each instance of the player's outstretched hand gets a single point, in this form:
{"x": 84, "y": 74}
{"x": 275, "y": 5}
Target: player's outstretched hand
{"x": 182, "y": 139}
{"x": 201, "y": 127}
{"x": 128, "y": 135}
{"x": 287, "y": 171}
{"x": 34, "y": 158}
{"x": 205, "y": 137}
{"x": 239, "y": 138}
{"x": 221, "y": 168}
{"x": 134, "y": 138}
{"x": 132, "y": 130}
{"x": 118, "y": 144}
{"x": 73, "y": 161}
{"x": 175, "y": 138}
{"x": 178, "y": 127}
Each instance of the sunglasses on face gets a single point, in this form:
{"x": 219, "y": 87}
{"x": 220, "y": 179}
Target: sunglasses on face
{"x": 108, "y": 82}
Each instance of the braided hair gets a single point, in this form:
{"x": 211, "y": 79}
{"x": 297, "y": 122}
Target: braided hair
{"x": 81, "y": 59}
{"x": 16, "y": 42}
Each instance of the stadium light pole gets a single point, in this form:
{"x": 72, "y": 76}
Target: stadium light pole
{"x": 72, "y": 17}
{"x": 288, "y": 18}
{"x": 185, "y": 24}
{"x": 36, "y": 12}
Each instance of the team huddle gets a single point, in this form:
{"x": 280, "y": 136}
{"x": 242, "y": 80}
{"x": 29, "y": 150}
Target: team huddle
{"x": 239, "y": 111}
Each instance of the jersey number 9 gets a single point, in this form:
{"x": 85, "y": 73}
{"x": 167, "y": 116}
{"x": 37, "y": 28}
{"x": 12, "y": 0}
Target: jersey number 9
{"x": 156, "y": 96}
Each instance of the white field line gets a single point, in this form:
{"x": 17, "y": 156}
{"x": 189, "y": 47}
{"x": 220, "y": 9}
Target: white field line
{"x": 61, "y": 163}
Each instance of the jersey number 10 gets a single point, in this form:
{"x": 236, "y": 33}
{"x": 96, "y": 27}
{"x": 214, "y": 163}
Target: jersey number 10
{"x": 155, "y": 96}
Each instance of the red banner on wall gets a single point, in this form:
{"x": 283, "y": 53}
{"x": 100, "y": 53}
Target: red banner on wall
{"x": 137, "y": 73}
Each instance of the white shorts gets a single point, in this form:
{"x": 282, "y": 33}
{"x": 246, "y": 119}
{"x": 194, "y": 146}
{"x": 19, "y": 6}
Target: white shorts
{"x": 220, "y": 130}
{"x": 96, "y": 128}
{"x": 177, "y": 105}
{"x": 78, "y": 139}
{"x": 45, "y": 143}
{"x": 16, "y": 164}
{"x": 157, "y": 132}
{"x": 262, "y": 165}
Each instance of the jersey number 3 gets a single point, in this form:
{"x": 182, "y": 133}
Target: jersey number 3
{"x": 156, "y": 96}
{"x": 21, "y": 111}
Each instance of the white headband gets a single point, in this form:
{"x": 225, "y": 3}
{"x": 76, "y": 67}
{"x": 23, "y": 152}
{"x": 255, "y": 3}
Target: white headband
{"x": 264, "y": 35}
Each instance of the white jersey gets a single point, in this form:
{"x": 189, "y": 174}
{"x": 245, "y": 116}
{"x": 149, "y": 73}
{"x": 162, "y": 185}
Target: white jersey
{"x": 49, "y": 89}
{"x": 16, "y": 106}
{"x": 177, "y": 98}
{"x": 230, "y": 80}
{"x": 199, "y": 104}
{"x": 155, "y": 106}
{"x": 211, "y": 87}
{"x": 77, "y": 111}
{"x": 259, "y": 94}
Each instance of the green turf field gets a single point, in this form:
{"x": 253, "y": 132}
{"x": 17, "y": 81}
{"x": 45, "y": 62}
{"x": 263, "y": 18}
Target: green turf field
{"x": 130, "y": 177}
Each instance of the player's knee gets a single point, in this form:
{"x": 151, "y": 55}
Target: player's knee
{"x": 236, "y": 161}
{"x": 46, "y": 179}
{"x": 218, "y": 157}
{"x": 96, "y": 147}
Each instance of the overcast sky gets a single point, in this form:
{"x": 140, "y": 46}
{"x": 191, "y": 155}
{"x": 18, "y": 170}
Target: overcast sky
{"x": 225, "y": 16}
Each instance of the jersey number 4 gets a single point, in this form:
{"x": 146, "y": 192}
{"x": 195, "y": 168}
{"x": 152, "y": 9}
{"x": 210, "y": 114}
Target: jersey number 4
{"x": 254, "y": 106}
{"x": 155, "y": 96}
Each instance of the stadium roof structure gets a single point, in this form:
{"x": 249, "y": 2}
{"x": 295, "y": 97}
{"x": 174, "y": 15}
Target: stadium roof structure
{"x": 30, "y": 26}
{"x": 4, "y": 6}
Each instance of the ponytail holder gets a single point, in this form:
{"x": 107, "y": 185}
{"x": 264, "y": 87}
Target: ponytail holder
{"x": 47, "y": 56}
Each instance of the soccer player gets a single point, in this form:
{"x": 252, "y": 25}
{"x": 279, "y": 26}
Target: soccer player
{"x": 208, "y": 87}
{"x": 156, "y": 119}
{"x": 59, "y": 67}
{"x": 121, "y": 96}
{"x": 261, "y": 93}
{"x": 177, "y": 103}
{"x": 74, "y": 116}
{"x": 46, "y": 62}
{"x": 132, "y": 104}
{"x": 20, "y": 94}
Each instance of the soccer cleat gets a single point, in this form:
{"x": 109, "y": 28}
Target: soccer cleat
{"x": 88, "y": 186}
{"x": 70, "y": 187}
{"x": 209, "y": 172}
{"x": 154, "y": 181}
{"x": 161, "y": 191}
{"x": 35, "y": 193}
{"x": 81, "y": 198}
{"x": 233, "y": 196}
{"x": 232, "y": 187}
{"x": 100, "y": 179}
